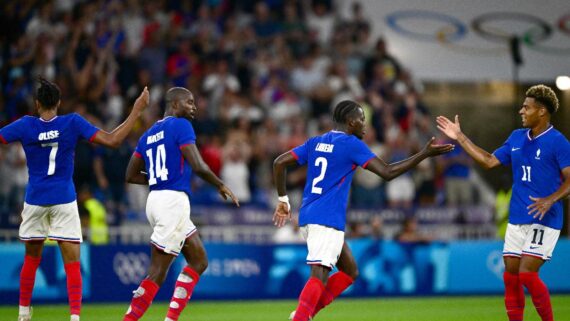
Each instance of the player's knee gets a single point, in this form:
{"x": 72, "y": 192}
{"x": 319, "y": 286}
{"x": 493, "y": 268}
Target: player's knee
{"x": 201, "y": 266}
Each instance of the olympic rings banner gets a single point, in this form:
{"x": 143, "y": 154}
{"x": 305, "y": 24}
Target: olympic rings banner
{"x": 239, "y": 271}
{"x": 471, "y": 40}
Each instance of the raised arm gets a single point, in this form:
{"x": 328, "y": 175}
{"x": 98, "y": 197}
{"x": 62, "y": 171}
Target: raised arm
{"x": 453, "y": 131}
{"x": 391, "y": 171}
{"x": 200, "y": 168}
{"x": 135, "y": 171}
{"x": 116, "y": 137}
{"x": 283, "y": 210}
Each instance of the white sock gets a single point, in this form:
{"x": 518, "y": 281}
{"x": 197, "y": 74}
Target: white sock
{"x": 24, "y": 310}
{"x": 74, "y": 317}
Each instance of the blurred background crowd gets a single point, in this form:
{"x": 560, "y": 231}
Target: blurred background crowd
{"x": 265, "y": 76}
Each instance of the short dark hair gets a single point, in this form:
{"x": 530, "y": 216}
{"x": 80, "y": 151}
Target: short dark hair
{"x": 545, "y": 96}
{"x": 343, "y": 110}
{"x": 48, "y": 94}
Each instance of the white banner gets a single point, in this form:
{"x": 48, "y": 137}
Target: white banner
{"x": 469, "y": 40}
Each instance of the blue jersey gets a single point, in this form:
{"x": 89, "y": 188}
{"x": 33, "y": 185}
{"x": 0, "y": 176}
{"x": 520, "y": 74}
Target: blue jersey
{"x": 50, "y": 150}
{"x": 331, "y": 160}
{"x": 537, "y": 165}
{"x": 160, "y": 147}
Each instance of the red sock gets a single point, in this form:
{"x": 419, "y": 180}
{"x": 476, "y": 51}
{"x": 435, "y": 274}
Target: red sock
{"x": 539, "y": 293}
{"x": 514, "y": 296}
{"x": 337, "y": 283}
{"x": 309, "y": 299}
{"x": 142, "y": 299}
{"x": 28, "y": 278}
{"x": 182, "y": 292}
{"x": 74, "y": 286}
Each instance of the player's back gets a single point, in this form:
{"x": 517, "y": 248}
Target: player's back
{"x": 331, "y": 160}
{"x": 50, "y": 150}
{"x": 161, "y": 148}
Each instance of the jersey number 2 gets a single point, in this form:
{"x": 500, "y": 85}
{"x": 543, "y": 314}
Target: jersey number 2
{"x": 319, "y": 162}
{"x": 158, "y": 167}
{"x": 52, "y": 155}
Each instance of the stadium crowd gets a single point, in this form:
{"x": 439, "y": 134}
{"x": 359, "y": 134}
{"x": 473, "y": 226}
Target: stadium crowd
{"x": 265, "y": 75}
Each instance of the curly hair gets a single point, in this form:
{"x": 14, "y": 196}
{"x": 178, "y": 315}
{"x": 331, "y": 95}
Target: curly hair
{"x": 545, "y": 96}
{"x": 343, "y": 110}
{"x": 48, "y": 94}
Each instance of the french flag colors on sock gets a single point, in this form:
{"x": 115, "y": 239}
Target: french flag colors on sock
{"x": 28, "y": 278}
{"x": 142, "y": 299}
{"x": 539, "y": 293}
{"x": 74, "y": 286}
{"x": 182, "y": 292}
{"x": 514, "y": 296}
{"x": 309, "y": 299}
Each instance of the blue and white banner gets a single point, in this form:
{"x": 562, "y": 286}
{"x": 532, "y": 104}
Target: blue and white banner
{"x": 237, "y": 271}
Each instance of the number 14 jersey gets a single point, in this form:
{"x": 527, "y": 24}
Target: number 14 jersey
{"x": 160, "y": 147}
{"x": 331, "y": 160}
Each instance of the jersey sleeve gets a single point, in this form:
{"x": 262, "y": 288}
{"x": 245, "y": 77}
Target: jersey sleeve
{"x": 360, "y": 153}
{"x": 12, "y": 132}
{"x": 503, "y": 153}
{"x": 139, "y": 149}
{"x": 185, "y": 134}
{"x": 84, "y": 128}
{"x": 563, "y": 153}
{"x": 301, "y": 153}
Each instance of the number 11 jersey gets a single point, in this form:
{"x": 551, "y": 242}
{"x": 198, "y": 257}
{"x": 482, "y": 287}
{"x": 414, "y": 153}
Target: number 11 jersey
{"x": 331, "y": 161}
{"x": 161, "y": 148}
{"x": 50, "y": 149}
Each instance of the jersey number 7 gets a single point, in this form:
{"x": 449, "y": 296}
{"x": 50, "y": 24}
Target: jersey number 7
{"x": 52, "y": 155}
{"x": 158, "y": 167}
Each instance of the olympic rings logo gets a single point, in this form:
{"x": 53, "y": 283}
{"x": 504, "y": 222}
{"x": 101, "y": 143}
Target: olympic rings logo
{"x": 453, "y": 30}
{"x": 130, "y": 267}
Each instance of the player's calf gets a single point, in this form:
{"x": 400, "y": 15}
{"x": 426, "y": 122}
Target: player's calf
{"x": 183, "y": 289}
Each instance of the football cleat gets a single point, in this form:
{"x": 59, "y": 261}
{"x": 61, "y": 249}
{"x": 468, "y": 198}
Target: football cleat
{"x": 292, "y": 315}
{"x": 26, "y": 317}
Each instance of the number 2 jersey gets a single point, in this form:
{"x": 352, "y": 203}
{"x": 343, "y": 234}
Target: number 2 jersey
{"x": 331, "y": 161}
{"x": 50, "y": 151}
{"x": 537, "y": 165}
{"x": 160, "y": 147}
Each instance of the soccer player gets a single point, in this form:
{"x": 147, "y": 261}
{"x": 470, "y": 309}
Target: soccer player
{"x": 331, "y": 161}
{"x": 165, "y": 159}
{"x": 50, "y": 208}
{"x": 540, "y": 160}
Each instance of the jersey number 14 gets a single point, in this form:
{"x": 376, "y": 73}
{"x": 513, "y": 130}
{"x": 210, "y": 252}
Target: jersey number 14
{"x": 157, "y": 169}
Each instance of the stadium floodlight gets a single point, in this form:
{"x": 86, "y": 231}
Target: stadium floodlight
{"x": 563, "y": 82}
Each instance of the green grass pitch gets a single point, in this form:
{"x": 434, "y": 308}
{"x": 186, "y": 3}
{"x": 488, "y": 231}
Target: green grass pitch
{"x": 378, "y": 309}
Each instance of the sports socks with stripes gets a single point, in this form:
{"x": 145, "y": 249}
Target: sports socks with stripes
{"x": 142, "y": 299}
{"x": 183, "y": 289}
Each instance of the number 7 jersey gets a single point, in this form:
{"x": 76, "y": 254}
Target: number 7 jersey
{"x": 161, "y": 148}
{"x": 331, "y": 161}
{"x": 50, "y": 149}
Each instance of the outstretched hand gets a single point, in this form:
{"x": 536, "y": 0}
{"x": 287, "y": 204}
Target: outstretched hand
{"x": 432, "y": 149}
{"x": 142, "y": 101}
{"x": 225, "y": 192}
{"x": 539, "y": 207}
{"x": 282, "y": 214}
{"x": 449, "y": 128}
